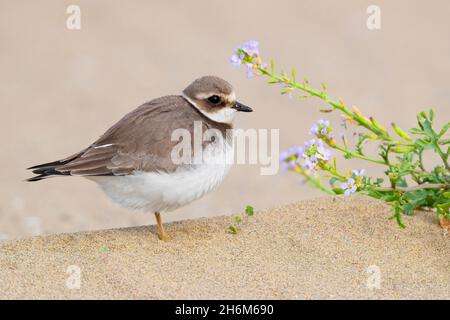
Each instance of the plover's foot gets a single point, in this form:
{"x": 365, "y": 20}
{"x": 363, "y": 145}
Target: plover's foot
{"x": 162, "y": 235}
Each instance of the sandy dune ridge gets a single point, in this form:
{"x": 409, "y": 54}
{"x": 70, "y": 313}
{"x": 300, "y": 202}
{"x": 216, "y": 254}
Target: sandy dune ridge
{"x": 321, "y": 248}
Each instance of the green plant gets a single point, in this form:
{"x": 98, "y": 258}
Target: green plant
{"x": 407, "y": 185}
{"x": 239, "y": 219}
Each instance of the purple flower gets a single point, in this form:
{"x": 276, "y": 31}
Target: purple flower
{"x": 309, "y": 163}
{"x": 248, "y": 54}
{"x": 295, "y": 152}
{"x": 284, "y": 155}
{"x": 292, "y": 164}
{"x": 300, "y": 151}
{"x": 321, "y": 129}
{"x": 235, "y": 59}
{"x": 314, "y": 129}
{"x": 314, "y": 151}
{"x": 289, "y": 159}
{"x": 349, "y": 186}
{"x": 251, "y": 48}
{"x": 322, "y": 152}
{"x": 307, "y": 156}
{"x": 310, "y": 143}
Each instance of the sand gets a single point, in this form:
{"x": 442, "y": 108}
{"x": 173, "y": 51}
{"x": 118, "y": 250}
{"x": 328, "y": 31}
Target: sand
{"x": 323, "y": 248}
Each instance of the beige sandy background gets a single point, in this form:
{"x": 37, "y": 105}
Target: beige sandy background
{"x": 61, "y": 89}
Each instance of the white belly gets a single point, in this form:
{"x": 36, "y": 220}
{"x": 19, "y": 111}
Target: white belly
{"x": 164, "y": 192}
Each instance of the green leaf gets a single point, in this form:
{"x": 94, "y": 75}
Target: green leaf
{"x": 348, "y": 155}
{"x": 388, "y": 196}
{"x": 444, "y": 209}
{"x": 232, "y": 229}
{"x": 332, "y": 181}
{"x": 400, "y": 132}
{"x": 294, "y": 79}
{"x": 424, "y": 143}
{"x": 444, "y": 129}
{"x": 416, "y": 131}
{"x": 238, "y": 219}
{"x": 431, "y": 115}
{"x": 397, "y": 214}
{"x": 249, "y": 210}
{"x": 377, "y": 125}
{"x": 326, "y": 110}
{"x": 402, "y": 150}
{"x": 104, "y": 249}
{"x": 426, "y": 125}
{"x": 286, "y": 90}
{"x": 359, "y": 144}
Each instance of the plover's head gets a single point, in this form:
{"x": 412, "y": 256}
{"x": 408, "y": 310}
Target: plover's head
{"x": 215, "y": 98}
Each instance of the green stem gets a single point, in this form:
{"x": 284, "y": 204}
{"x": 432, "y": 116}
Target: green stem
{"x": 333, "y": 172}
{"x": 443, "y": 156}
{"x": 421, "y": 165}
{"x": 317, "y": 183}
{"x": 415, "y": 188}
{"x": 356, "y": 155}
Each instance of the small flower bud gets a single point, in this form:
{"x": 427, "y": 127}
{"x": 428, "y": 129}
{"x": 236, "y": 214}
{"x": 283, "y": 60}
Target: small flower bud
{"x": 400, "y": 132}
{"x": 378, "y": 125}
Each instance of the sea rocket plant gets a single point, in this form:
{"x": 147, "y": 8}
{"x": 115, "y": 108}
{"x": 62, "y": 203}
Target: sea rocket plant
{"x": 400, "y": 155}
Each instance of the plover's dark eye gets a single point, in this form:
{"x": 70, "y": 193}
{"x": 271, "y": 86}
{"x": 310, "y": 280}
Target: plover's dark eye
{"x": 214, "y": 99}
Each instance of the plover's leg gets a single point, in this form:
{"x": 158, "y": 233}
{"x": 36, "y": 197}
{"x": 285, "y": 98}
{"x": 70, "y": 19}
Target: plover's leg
{"x": 162, "y": 235}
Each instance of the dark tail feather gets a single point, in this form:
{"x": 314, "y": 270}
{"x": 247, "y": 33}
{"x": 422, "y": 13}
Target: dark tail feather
{"x": 47, "y": 170}
{"x": 48, "y": 164}
{"x": 45, "y": 173}
{"x": 37, "y": 178}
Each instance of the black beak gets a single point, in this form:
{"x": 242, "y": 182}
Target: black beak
{"x": 242, "y": 107}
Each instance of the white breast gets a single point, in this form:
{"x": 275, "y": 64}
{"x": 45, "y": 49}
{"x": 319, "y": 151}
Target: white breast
{"x": 164, "y": 192}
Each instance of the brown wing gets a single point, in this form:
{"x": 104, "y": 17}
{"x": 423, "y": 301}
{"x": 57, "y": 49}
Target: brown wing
{"x": 139, "y": 141}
